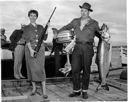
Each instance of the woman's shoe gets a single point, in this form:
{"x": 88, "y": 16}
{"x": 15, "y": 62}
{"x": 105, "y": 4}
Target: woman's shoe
{"x": 45, "y": 96}
{"x": 32, "y": 93}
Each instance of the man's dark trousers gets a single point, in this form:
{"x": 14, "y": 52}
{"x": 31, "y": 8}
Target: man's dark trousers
{"x": 81, "y": 60}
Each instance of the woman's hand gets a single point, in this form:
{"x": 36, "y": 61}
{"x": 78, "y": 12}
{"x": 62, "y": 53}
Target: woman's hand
{"x": 32, "y": 52}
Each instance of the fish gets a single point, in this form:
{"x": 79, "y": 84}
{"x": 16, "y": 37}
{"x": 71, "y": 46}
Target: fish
{"x": 103, "y": 57}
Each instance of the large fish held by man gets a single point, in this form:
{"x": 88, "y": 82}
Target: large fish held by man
{"x": 103, "y": 57}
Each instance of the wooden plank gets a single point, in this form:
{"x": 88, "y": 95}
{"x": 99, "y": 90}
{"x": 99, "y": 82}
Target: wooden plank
{"x": 114, "y": 90}
{"x": 63, "y": 94}
{"x": 68, "y": 88}
{"x": 104, "y": 95}
{"x": 52, "y": 94}
{"x": 100, "y": 95}
{"x": 9, "y": 92}
{"x": 112, "y": 95}
{"x": 24, "y": 89}
{"x": 10, "y": 83}
{"x": 60, "y": 91}
{"x": 117, "y": 84}
{"x": 36, "y": 98}
{"x": 93, "y": 96}
{"x": 14, "y": 98}
{"x": 18, "y": 90}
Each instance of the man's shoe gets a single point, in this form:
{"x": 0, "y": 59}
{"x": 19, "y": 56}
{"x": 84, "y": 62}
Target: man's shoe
{"x": 16, "y": 77}
{"x": 21, "y": 76}
{"x": 74, "y": 94}
{"x": 84, "y": 95}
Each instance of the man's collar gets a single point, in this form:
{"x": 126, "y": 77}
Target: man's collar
{"x": 89, "y": 18}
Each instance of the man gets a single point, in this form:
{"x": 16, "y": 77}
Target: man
{"x": 18, "y": 49}
{"x": 85, "y": 29}
{"x": 57, "y": 48}
{"x": 3, "y": 37}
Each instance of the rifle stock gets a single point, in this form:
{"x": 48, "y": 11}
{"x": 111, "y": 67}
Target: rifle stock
{"x": 40, "y": 40}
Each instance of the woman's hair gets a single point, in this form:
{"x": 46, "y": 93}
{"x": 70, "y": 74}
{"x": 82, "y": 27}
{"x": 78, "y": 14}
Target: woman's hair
{"x": 33, "y": 11}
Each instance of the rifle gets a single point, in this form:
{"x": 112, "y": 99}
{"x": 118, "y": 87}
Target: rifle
{"x": 40, "y": 40}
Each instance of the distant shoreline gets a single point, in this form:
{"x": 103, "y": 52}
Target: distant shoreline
{"x": 125, "y": 46}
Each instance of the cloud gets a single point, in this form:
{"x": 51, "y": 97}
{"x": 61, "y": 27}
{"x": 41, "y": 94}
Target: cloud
{"x": 113, "y": 13}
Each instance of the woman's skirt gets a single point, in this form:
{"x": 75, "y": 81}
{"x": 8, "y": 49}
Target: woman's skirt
{"x": 35, "y": 66}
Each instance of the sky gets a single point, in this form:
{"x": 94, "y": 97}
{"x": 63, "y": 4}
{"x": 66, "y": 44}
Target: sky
{"x": 113, "y": 13}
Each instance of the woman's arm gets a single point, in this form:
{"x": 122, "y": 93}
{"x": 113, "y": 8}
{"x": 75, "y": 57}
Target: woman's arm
{"x": 30, "y": 49}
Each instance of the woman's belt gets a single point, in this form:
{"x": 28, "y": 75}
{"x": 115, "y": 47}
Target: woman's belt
{"x": 21, "y": 44}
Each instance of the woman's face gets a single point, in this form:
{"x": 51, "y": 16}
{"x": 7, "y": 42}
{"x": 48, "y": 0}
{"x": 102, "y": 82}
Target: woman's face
{"x": 84, "y": 13}
{"x": 32, "y": 17}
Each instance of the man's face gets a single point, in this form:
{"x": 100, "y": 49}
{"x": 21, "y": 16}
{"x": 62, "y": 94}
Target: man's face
{"x": 84, "y": 12}
{"x": 2, "y": 32}
{"x": 32, "y": 17}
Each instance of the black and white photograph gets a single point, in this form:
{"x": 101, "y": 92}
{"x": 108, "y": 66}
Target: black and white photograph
{"x": 63, "y": 50}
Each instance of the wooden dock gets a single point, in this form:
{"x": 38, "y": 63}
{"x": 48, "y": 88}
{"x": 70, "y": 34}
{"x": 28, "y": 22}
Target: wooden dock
{"x": 58, "y": 89}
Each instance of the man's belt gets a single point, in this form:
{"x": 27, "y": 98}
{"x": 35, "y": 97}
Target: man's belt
{"x": 80, "y": 42}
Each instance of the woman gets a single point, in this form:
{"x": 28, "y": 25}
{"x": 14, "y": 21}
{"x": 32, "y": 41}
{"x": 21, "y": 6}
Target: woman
{"x": 35, "y": 65}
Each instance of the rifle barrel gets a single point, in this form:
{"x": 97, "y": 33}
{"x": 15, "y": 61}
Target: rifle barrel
{"x": 52, "y": 14}
{"x": 40, "y": 40}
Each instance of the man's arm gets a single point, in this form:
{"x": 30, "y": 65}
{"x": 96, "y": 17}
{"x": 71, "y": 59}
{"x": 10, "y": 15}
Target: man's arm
{"x": 53, "y": 48}
{"x": 97, "y": 32}
{"x": 67, "y": 27}
{"x": 13, "y": 36}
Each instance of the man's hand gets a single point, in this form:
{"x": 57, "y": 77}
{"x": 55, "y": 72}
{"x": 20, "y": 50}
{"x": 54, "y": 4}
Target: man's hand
{"x": 55, "y": 33}
{"x": 55, "y": 30}
{"x": 50, "y": 54}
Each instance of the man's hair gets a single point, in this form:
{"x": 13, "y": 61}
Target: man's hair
{"x": 2, "y": 30}
{"x": 33, "y": 11}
